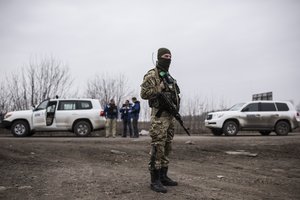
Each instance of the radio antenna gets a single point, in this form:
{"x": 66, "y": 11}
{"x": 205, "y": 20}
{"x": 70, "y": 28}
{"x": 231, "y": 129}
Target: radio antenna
{"x": 153, "y": 59}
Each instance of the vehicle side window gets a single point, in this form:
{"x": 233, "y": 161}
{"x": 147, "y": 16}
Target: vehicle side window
{"x": 252, "y": 107}
{"x": 282, "y": 107}
{"x": 84, "y": 105}
{"x": 67, "y": 105}
{"x": 267, "y": 107}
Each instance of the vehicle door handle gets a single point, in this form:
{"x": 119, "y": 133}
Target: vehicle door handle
{"x": 257, "y": 115}
{"x": 276, "y": 115}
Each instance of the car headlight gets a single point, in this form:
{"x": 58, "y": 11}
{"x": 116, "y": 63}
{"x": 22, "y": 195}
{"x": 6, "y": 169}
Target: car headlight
{"x": 7, "y": 115}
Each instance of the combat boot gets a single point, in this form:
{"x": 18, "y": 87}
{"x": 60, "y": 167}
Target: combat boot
{"x": 155, "y": 182}
{"x": 165, "y": 180}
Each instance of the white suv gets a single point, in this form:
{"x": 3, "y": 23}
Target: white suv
{"x": 81, "y": 116}
{"x": 262, "y": 116}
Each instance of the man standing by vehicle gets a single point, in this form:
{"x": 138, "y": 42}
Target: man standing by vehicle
{"x": 135, "y": 111}
{"x": 158, "y": 81}
{"x": 111, "y": 114}
{"x": 126, "y": 118}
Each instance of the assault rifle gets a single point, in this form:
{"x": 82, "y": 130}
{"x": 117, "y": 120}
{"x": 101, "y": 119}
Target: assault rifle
{"x": 169, "y": 106}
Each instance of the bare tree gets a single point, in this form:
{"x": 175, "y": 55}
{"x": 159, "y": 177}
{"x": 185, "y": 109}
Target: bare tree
{"x": 47, "y": 78}
{"x": 3, "y": 98}
{"x": 41, "y": 79}
{"x": 105, "y": 88}
{"x": 16, "y": 92}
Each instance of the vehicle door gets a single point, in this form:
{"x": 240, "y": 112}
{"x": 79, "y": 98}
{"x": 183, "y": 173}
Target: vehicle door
{"x": 269, "y": 114}
{"x": 50, "y": 115}
{"x": 65, "y": 114}
{"x": 283, "y": 111}
{"x": 39, "y": 115}
{"x": 250, "y": 116}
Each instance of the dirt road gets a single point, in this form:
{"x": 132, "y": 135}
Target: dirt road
{"x": 208, "y": 167}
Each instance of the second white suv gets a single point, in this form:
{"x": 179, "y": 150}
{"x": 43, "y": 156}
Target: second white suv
{"x": 262, "y": 116}
{"x": 81, "y": 116}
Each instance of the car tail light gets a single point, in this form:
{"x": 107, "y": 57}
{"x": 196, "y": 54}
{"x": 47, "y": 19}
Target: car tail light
{"x": 102, "y": 114}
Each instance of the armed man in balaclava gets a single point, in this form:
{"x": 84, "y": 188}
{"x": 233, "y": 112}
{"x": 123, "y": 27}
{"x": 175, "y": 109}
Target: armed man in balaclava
{"x": 158, "y": 80}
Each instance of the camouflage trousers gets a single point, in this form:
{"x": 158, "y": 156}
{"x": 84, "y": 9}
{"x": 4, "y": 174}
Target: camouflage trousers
{"x": 162, "y": 133}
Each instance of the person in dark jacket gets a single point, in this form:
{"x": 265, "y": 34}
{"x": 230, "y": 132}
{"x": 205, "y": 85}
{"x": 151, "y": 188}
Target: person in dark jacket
{"x": 135, "y": 112}
{"x": 126, "y": 118}
{"x": 111, "y": 114}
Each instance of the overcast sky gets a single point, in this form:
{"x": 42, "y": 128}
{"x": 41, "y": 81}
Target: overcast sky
{"x": 221, "y": 49}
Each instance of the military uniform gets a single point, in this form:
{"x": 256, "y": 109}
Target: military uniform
{"x": 156, "y": 81}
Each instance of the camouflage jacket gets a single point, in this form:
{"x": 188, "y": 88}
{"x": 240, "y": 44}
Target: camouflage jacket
{"x": 153, "y": 84}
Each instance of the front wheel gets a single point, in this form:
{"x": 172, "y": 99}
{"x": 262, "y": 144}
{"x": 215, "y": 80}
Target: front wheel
{"x": 230, "y": 128}
{"x": 20, "y": 128}
{"x": 82, "y": 129}
{"x": 282, "y": 128}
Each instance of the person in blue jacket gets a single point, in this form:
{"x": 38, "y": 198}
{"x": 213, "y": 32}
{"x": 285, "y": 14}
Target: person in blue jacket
{"x": 135, "y": 112}
{"x": 126, "y": 118}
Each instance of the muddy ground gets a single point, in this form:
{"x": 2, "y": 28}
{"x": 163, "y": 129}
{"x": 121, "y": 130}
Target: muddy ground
{"x": 60, "y": 167}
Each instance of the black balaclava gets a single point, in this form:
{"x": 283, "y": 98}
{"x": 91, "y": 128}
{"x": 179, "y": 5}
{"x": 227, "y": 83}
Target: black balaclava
{"x": 163, "y": 63}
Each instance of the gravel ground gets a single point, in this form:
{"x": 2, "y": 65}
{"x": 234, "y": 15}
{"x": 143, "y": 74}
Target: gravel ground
{"x": 206, "y": 167}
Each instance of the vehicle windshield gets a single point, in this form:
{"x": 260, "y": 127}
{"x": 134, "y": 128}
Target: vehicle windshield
{"x": 42, "y": 105}
{"x": 236, "y": 107}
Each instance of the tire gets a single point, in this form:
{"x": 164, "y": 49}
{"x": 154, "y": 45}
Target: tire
{"x": 217, "y": 132}
{"x": 20, "y": 128}
{"x": 265, "y": 133}
{"x": 82, "y": 128}
{"x": 282, "y": 128}
{"x": 230, "y": 128}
